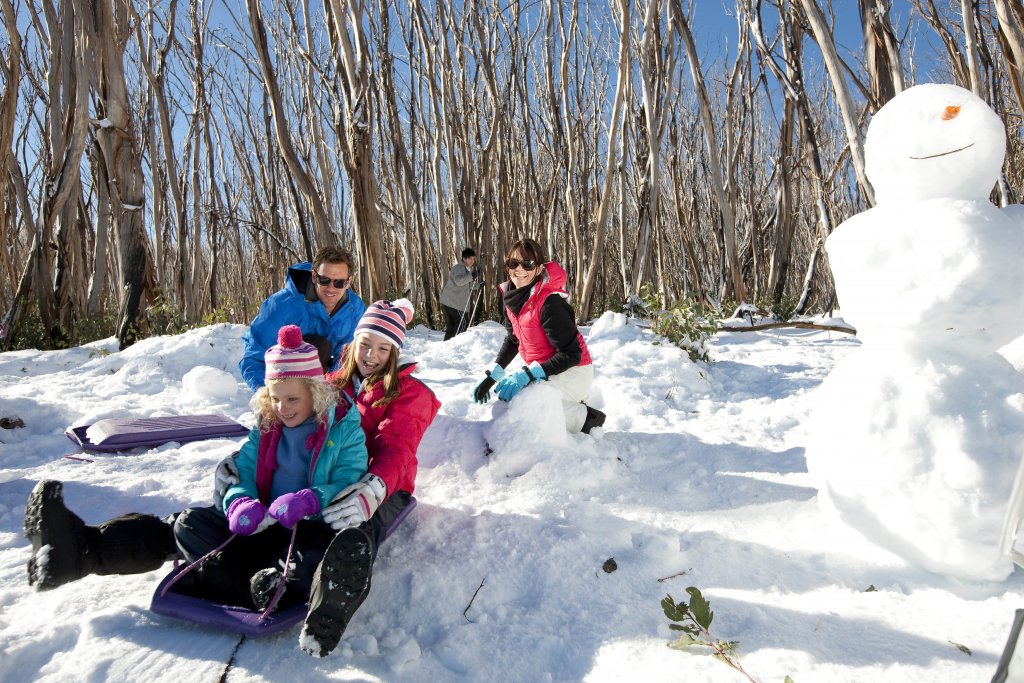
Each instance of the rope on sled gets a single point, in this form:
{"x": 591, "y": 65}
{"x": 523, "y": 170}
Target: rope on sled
{"x": 195, "y": 564}
{"x": 279, "y": 591}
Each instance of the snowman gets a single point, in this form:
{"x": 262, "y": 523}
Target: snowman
{"x": 918, "y": 433}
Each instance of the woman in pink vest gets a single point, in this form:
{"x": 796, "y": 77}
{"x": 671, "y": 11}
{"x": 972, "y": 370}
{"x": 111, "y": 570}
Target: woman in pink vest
{"x": 542, "y": 330}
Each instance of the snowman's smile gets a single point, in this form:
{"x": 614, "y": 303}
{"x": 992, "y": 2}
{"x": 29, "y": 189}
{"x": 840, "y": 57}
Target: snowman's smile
{"x": 942, "y": 154}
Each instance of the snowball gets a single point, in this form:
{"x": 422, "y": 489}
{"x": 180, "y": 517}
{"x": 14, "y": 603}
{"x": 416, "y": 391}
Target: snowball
{"x": 524, "y": 430}
{"x": 209, "y": 383}
{"x": 935, "y": 271}
{"x": 920, "y": 457}
{"x": 606, "y": 325}
{"x": 934, "y": 140}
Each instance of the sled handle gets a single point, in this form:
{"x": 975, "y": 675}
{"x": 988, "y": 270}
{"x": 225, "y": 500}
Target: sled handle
{"x": 279, "y": 591}
{"x": 194, "y": 565}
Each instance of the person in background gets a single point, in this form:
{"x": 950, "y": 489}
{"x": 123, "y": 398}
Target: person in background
{"x": 458, "y": 293}
{"x": 306, "y": 448}
{"x": 317, "y": 297}
{"x": 396, "y": 409}
{"x": 541, "y": 328}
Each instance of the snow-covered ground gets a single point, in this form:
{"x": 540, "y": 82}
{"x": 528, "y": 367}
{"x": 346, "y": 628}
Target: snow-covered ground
{"x": 699, "y": 479}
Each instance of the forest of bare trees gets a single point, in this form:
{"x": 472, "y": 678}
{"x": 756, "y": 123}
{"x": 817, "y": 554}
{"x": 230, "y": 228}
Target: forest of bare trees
{"x": 170, "y": 158}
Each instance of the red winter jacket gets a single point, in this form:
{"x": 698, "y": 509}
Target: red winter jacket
{"x": 541, "y": 324}
{"x": 393, "y": 432}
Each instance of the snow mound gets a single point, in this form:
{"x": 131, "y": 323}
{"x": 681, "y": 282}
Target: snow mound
{"x": 209, "y": 384}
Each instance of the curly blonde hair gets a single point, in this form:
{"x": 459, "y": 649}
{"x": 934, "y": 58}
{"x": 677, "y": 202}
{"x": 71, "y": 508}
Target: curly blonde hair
{"x": 325, "y": 397}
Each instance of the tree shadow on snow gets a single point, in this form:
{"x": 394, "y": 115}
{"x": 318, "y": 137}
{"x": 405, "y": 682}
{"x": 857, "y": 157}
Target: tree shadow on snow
{"x": 686, "y": 474}
{"x": 830, "y": 637}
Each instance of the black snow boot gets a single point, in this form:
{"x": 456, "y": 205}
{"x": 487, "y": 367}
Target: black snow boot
{"x": 341, "y": 583}
{"x": 63, "y": 546}
{"x": 263, "y": 585}
{"x": 134, "y": 543}
{"x": 595, "y": 418}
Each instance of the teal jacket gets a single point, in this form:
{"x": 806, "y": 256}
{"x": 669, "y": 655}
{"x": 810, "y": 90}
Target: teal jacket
{"x": 338, "y": 448}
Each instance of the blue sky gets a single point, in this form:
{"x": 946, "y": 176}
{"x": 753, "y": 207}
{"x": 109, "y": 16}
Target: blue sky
{"x": 714, "y": 27}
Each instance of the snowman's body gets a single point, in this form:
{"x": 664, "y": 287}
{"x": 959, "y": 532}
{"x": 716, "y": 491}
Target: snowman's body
{"x": 920, "y": 430}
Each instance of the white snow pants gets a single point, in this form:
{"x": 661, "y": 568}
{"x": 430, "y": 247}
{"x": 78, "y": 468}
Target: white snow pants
{"x": 575, "y": 385}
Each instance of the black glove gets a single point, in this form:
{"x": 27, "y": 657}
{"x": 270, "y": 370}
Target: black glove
{"x": 482, "y": 391}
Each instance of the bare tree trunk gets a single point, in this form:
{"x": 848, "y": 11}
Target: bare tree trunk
{"x": 306, "y": 186}
{"x": 657, "y": 66}
{"x": 105, "y": 32}
{"x": 356, "y": 136}
{"x": 98, "y": 281}
{"x": 174, "y": 179}
{"x": 735, "y": 286}
{"x": 958, "y": 63}
{"x": 601, "y": 222}
{"x": 881, "y": 51}
{"x": 968, "y": 9}
{"x": 1011, "y": 37}
{"x": 826, "y": 42}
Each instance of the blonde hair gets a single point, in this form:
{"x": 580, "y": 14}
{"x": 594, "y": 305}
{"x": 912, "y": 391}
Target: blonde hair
{"x": 325, "y": 397}
{"x": 388, "y": 374}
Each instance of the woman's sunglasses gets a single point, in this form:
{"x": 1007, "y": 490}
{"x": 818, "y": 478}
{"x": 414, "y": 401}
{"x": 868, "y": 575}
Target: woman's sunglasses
{"x": 323, "y": 281}
{"x": 512, "y": 264}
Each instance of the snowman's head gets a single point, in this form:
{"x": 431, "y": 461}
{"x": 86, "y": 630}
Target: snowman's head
{"x": 932, "y": 141}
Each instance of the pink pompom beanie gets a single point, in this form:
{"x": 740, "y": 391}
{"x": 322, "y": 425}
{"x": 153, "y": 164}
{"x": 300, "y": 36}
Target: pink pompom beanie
{"x": 387, "y": 319}
{"x": 292, "y": 357}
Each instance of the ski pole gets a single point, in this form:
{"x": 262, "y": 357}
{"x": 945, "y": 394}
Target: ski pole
{"x": 463, "y": 316}
{"x": 478, "y": 298}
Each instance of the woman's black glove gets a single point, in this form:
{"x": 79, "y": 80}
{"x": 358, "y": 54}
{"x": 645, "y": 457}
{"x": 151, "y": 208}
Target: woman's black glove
{"x": 482, "y": 391}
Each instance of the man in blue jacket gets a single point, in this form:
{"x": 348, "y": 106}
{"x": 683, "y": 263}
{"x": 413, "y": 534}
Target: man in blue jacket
{"x": 317, "y": 297}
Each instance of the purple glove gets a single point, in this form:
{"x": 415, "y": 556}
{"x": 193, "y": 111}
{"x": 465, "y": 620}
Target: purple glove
{"x": 292, "y": 507}
{"x": 248, "y": 516}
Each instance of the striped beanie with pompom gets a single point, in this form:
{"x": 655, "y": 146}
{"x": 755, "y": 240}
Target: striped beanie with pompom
{"x": 387, "y": 319}
{"x": 292, "y": 357}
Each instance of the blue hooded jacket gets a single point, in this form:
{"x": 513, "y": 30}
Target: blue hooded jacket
{"x": 297, "y": 304}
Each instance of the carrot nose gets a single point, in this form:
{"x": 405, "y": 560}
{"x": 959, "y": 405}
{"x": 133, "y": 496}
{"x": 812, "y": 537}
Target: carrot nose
{"x": 950, "y": 113}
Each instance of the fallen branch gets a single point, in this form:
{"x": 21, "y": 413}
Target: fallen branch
{"x": 800, "y": 324}
{"x": 682, "y": 573}
{"x": 473, "y": 598}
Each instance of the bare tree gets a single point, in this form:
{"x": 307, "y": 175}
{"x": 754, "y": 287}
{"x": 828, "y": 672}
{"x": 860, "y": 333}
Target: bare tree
{"x": 724, "y": 188}
{"x": 882, "y": 59}
{"x": 105, "y": 32}
{"x": 614, "y": 121}
{"x": 354, "y": 90}
{"x": 1011, "y": 38}
{"x": 826, "y": 42}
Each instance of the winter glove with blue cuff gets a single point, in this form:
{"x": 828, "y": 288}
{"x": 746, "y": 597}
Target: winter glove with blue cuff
{"x": 513, "y": 384}
{"x": 357, "y": 503}
{"x": 482, "y": 391}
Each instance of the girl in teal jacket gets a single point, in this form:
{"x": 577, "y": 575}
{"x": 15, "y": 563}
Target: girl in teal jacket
{"x": 305, "y": 449}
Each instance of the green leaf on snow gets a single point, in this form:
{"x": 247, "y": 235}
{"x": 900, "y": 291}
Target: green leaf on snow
{"x": 700, "y": 608}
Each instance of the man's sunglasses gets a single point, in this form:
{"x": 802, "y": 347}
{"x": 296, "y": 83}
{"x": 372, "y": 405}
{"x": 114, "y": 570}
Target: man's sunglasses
{"x": 323, "y": 281}
{"x": 512, "y": 264}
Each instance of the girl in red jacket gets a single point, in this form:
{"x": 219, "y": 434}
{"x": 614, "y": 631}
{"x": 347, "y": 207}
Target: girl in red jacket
{"x": 541, "y": 329}
{"x": 395, "y": 410}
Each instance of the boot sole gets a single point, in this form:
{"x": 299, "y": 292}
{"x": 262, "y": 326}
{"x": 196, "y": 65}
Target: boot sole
{"x": 343, "y": 578}
{"x": 46, "y": 491}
